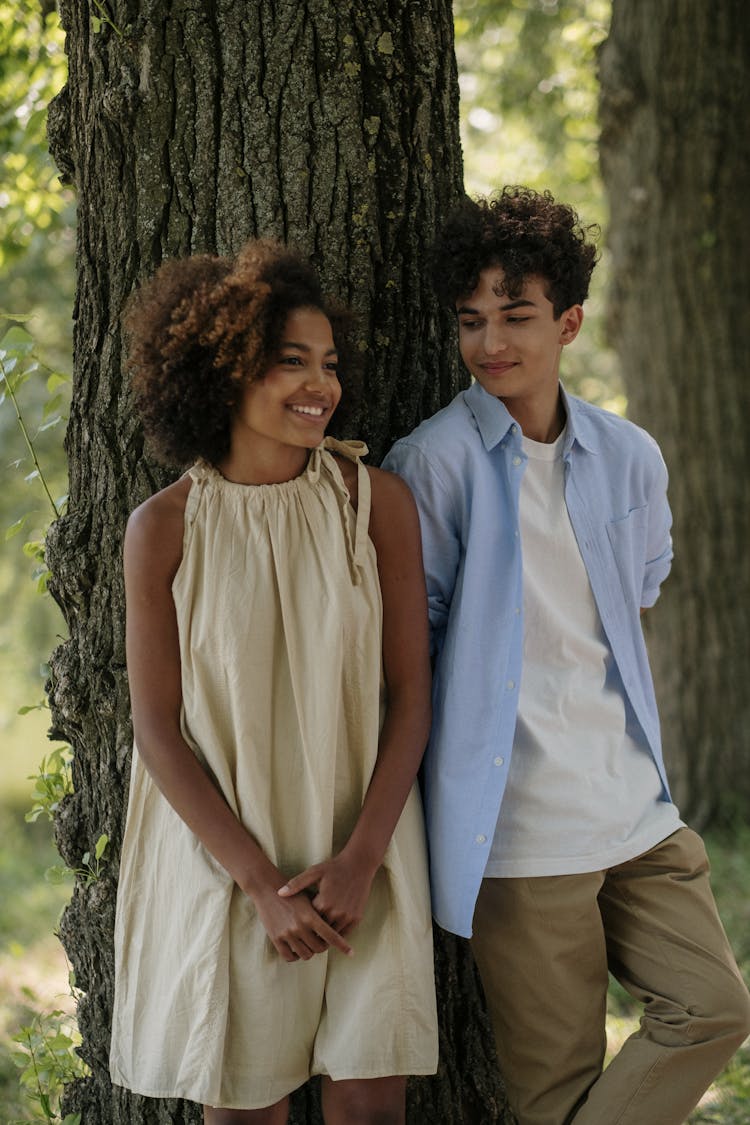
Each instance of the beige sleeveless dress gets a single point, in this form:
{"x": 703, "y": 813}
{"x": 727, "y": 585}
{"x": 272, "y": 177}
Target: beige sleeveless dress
{"x": 280, "y": 620}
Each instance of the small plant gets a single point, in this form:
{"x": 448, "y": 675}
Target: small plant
{"x": 103, "y": 19}
{"x": 46, "y": 1046}
{"x": 90, "y": 869}
{"x": 51, "y": 783}
{"x": 18, "y": 362}
{"x": 47, "y": 1059}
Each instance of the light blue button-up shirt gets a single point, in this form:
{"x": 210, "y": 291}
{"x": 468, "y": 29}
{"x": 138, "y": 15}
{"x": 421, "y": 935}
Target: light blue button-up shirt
{"x": 464, "y": 467}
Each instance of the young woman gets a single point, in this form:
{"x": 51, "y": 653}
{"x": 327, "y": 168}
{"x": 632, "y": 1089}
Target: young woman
{"x": 273, "y": 917}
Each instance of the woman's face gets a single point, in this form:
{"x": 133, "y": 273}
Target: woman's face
{"x": 292, "y": 404}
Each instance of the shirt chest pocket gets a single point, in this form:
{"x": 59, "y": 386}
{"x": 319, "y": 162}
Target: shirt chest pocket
{"x": 628, "y": 537}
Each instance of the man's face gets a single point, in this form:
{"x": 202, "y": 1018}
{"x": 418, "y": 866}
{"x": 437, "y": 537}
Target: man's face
{"x": 510, "y": 345}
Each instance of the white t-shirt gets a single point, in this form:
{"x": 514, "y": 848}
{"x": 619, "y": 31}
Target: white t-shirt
{"x": 583, "y": 791}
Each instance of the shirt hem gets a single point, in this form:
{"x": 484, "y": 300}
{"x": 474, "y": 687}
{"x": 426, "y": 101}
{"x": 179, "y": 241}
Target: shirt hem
{"x": 572, "y": 865}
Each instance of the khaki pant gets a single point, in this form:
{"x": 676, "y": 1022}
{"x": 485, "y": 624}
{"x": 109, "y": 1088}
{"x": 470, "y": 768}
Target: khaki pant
{"x": 543, "y": 947}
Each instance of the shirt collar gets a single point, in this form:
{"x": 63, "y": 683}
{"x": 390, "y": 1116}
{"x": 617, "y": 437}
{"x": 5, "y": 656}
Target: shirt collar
{"x": 494, "y": 420}
{"x": 490, "y": 414}
{"x": 579, "y": 426}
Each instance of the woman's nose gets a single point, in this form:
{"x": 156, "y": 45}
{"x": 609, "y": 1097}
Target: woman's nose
{"x": 315, "y": 377}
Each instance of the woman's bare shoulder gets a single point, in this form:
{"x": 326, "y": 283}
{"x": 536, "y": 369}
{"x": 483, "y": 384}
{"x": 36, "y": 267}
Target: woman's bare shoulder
{"x": 154, "y": 531}
{"x": 393, "y": 518}
{"x": 390, "y": 489}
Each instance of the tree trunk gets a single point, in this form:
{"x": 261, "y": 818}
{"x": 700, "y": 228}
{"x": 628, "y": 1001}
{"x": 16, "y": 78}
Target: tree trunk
{"x": 676, "y": 163}
{"x": 186, "y": 128}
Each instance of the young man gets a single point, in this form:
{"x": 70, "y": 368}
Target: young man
{"x": 545, "y": 529}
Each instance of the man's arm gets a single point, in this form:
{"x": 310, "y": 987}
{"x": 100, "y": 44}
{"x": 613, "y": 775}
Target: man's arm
{"x": 441, "y": 543}
{"x": 659, "y": 540}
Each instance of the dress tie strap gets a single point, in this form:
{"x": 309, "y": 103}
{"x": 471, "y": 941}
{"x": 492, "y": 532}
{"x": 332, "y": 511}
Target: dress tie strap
{"x": 352, "y": 451}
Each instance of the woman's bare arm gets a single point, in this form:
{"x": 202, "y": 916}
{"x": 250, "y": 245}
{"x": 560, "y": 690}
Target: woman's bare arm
{"x": 344, "y": 882}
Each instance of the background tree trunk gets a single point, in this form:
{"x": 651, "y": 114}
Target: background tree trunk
{"x": 676, "y": 163}
{"x": 191, "y": 127}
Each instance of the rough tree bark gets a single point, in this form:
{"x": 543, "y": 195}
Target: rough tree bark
{"x": 676, "y": 163}
{"x": 190, "y": 127}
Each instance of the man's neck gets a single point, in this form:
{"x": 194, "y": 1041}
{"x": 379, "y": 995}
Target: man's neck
{"x": 542, "y": 422}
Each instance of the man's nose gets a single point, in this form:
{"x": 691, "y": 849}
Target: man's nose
{"x": 494, "y": 338}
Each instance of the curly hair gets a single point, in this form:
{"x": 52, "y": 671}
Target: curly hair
{"x": 203, "y": 327}
{"x": 524, "y": 232}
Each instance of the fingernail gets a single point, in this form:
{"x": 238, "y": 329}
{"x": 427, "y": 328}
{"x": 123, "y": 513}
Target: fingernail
{"x": 283, "y": 890}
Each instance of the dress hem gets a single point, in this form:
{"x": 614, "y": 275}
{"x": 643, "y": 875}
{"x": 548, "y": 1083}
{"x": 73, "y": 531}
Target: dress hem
{"x": 418, "y": 1071}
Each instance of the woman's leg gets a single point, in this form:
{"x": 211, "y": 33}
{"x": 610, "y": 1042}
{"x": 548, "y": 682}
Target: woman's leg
{"x": 277, "y": 1114}
{"x": 364, "y": 1101}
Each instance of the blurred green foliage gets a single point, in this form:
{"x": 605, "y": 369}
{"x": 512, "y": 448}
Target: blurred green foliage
{"x": 529, "y": 91}
{"x": 529, "y": 95}
{"x": 36, "y": 208}
{"x": 37, "y": 283}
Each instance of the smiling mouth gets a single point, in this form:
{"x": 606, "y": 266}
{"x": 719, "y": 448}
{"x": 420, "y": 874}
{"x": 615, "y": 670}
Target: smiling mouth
{"x": 497, "y": 368}
{"x": 309, "y": 411}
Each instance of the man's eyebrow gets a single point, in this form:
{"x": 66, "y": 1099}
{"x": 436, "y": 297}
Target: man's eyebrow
{"x": 521, "y": 303}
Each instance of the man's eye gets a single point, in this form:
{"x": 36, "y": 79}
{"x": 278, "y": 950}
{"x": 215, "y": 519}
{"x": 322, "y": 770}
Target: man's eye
{"x": 518, "y": 319}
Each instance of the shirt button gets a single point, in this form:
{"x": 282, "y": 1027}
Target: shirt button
{"x": 499, "y": 761}
{"x": 481, "y": 839}
{"x": 516, "y": 460}
{"x": 514, "y": 429}
{"x": 510, "y": 685}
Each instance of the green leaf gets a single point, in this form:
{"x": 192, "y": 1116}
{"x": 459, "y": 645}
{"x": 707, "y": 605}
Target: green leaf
{"x": 52, "y": 404}
{"x": 17, "y": 340}
{"x": 56, "y": 379}
{"x": 32, "y": 707}
{"x": 101, "y": 846}
{"x": 57, "y": 874}
{"x": 16, "y": 527}
{"x": 20, "y": 317}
